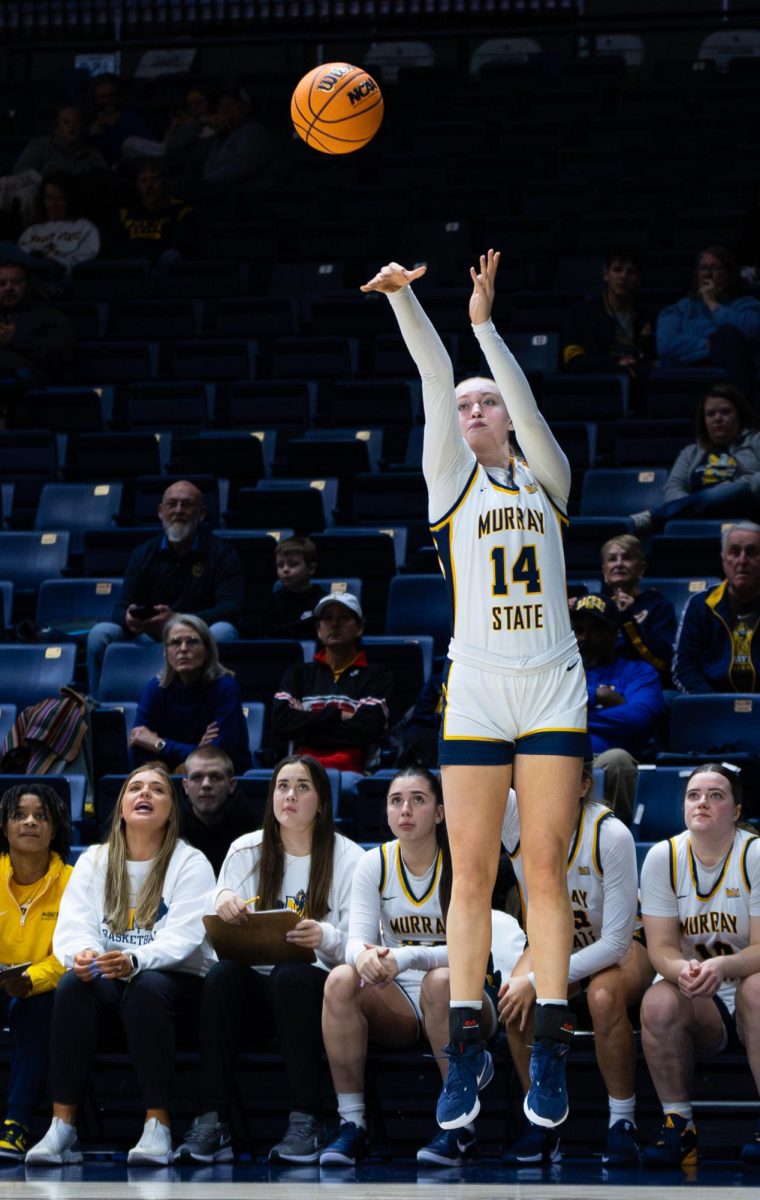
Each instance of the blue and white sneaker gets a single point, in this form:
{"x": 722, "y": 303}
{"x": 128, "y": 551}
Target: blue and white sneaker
{"x": 534, "y": 1145}
{"x": 622, "y": 1148}
{"x": 348, "y": 1147}
{"x": 546, "y": 1102}
{"x": 449, "y": 1148}
{"x": 470, "y": 1070}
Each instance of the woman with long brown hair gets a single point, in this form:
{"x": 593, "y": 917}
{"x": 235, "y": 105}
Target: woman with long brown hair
{"x": 130, "y": 932}
{"x": 296, "y": 861}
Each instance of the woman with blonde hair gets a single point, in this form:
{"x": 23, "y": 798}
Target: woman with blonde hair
{"x": 131, "y": 935}
{"x": 195, "y": 701}
{"x": 295, "y": 861}
{"x": 647, "y": 627}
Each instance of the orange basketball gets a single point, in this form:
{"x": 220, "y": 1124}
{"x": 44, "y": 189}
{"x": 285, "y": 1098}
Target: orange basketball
{"x": 337, "y": 108}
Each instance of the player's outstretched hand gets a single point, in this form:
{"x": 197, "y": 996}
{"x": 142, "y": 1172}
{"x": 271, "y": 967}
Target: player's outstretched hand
{"x": 483, "y": 287}
{"x": 392, "y": 277}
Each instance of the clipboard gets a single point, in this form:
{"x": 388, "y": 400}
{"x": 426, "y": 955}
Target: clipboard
{"x": 13, "y": 971}
{"x": 260, "y": 942}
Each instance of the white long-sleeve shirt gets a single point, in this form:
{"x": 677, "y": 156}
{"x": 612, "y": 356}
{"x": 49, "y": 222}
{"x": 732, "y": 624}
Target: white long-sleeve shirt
{"x": 447, "y": 460}
{"x": 66, "y": 242}
{"x": 240, "y": 874}
{"x": 177, "y": 941}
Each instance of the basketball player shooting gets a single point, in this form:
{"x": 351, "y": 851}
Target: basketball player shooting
{"x": 514, "y": 687}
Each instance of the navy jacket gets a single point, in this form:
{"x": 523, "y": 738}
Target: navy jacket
{"x": 208, "y": 581}
{"x": 704, "y": 652}
{"x": 181, "y": 714}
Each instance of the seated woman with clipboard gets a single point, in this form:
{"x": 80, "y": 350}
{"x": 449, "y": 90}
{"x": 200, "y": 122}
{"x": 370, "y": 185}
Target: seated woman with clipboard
{"x": 296, "y": 862}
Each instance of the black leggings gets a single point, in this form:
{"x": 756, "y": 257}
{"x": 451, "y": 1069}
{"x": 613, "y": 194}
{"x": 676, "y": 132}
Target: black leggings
{"x": 149, "y": 1008}
{"x": 241, "y": 1008}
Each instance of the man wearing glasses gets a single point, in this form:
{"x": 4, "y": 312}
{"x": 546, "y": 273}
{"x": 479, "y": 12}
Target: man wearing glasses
{"x": 184, "y": 569}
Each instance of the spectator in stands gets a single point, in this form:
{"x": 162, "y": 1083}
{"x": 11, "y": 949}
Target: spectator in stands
{"x": 335, "y": 708}
{"x": 611, "y": 332}
{"x": 700, "y": 899}
{"x": 159, "y": 227}
{"x": 59, "y": 237}
{"x": 37, "y": 342}
{"x": 131, "y": 936}
{"x": 184, "y": 142}
{"x": 717, "y": 325}
{"x": 295, "y": 861}
{"x": 719, "y": 474}
{"x": 35, "y": 835}
{"x": 194, "y": 702}
{"x": 717, "y": 648}
{"x": 289, "y": 611}
{"x": 213, "y": 812}
{"x": 624, "y": 701}
{"x": 243, "y": 148}
{"x": 647, "y": 621}
{"x": 110, "y": 122}
{"x": 62, "y": 151}
{"x": 183, "y": 569}
{"x": 609, "y": 968}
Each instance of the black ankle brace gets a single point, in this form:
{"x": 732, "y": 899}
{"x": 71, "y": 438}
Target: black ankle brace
{"x": 464, "y": 1025}
{"x": 554, "y": 1022}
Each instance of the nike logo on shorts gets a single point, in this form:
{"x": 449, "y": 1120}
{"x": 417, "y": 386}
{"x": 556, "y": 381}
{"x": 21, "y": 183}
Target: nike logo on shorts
{"x": 573, "y": 664}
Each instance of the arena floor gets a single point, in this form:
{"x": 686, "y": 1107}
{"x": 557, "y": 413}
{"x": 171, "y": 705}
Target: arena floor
{"x": 581, "y": 1179}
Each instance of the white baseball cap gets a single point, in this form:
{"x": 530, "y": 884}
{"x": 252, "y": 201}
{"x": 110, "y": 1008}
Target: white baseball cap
{"x": 348, "y": 601}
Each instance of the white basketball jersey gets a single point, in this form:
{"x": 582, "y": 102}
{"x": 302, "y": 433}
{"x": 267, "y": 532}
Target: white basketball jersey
{"x": 500, "y": 549}
{"x": 410, "y": 909}
{"x": 584, "y": 869}
{"x": 713, "y": 913}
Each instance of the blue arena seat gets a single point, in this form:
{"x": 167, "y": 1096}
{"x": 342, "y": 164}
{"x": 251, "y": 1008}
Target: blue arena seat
{"x": 585, "y": 538}
{"x": 658, "y": 804}
{"x": 300, "y": 507}
{"x": 127, "y": 668}
{"x": 718, "y": 723}
{"x": 204, "y": 279}
{"x": 212, "y": 360}
{"x": 28, "y": 558}
{"x": 409, "y": 658}
{"x": 73, "y": 606}
{"x": 117, "y": 362}
{"x": 111, "y": 456}
{"x": 156, "y": 319}
{"x": 78, "y": 507}
{"x": 314, "y": 358}
{"x": 6, "y": 602}
{"x": 110, "y": 279}
{"x": 32, "y": 673}
{"x": 420, "y": 603}
{"x": 8, "y": 714}
{"x": 254, "y": 712}
{"x": 621, "y": 491}
{"x": 680, "y": 591}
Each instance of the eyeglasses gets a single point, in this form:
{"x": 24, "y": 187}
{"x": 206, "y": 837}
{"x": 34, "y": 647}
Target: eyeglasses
{"x": 19, "y": 815}
{"x": 176, "y": 642}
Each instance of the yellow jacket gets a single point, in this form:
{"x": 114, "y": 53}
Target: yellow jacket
{"x": 30, "y": 938}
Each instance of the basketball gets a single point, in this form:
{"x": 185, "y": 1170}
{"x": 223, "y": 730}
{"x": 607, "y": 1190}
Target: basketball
{"x": 336, "y": 108}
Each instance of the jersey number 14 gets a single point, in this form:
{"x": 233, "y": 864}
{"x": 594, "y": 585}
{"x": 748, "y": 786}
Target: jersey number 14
{"x": 524, "y": 570}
